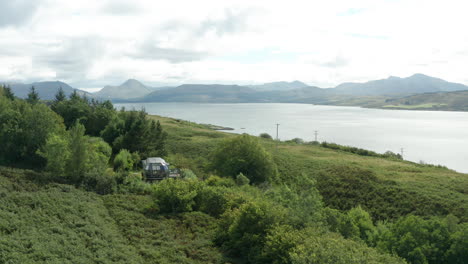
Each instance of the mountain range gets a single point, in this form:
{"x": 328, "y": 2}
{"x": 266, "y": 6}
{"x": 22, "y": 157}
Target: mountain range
{"x": 298, "y": 92}
{"x": 369, "y": 94}
{"x": 46, "y": 90}
{"x": 127, "y": 90}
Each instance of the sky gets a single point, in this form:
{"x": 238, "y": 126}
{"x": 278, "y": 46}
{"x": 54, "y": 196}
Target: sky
{"x": 89, "y": 43}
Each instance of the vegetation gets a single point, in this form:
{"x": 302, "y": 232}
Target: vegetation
{"x": 241, "y": 199}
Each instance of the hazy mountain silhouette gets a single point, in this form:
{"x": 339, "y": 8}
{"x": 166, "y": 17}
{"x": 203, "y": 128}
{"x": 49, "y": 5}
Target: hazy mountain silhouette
{"x": 46, "y": 90}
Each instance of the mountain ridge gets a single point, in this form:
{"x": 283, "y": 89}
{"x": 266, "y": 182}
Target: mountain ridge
{"x": 45, "y": 89}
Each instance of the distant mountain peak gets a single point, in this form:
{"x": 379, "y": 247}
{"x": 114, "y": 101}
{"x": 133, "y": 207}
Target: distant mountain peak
{"x": 131, "y": 88}
{"x": 132, "y": 82}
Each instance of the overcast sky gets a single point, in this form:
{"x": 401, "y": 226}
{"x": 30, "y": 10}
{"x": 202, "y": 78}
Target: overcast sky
{"x": 89, "y": 43}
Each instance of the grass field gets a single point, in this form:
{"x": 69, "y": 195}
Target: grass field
{"x": 43, "y": 222}
{"x": 398, "y": 187}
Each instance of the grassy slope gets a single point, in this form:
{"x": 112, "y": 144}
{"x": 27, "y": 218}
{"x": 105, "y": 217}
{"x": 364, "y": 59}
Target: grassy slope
{"x": 395, "y": 187}
{"x": 56, "y": 223}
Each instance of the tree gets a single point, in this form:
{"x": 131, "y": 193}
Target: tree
{"x": 8, "y": 93}
{"x": 265, "y": 135}
{"x": 24, "y": 128}
{"x": 133, "y": 131}
{"x": 33, "y": 96}
{"x": 76, "y": 164}
{"x": 244, "y": 154}
{"x": 60, "y": 95}
{"x": 123, "y": 161}
{"x": 57, "y": 153}
{"x": 175, "y": 196}
{"x": 241, "y": 179}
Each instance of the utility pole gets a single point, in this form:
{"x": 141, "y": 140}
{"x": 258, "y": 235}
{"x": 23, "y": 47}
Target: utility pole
{"x": 277, "y": 125}
{"x": 277, "y": 138}
{"x": 316, "y": 133}
{"x": 402, "y": 151}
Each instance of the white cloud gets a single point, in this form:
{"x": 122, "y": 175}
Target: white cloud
{"x": 91, "y": 43}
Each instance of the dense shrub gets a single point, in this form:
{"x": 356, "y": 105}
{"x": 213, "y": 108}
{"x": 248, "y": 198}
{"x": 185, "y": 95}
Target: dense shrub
{"x": 265, "y": 135}
{"x": 176, "y": 196}
{"x": 243, "y": 232}
{"x": 244, "y": 154}
{"x": 241, "y": 179}
{"x": 24, "y": 128}
{"x": 123, "y": 161}
{"x": 132, "y": 130}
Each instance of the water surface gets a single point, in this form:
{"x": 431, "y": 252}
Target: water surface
{"x": 429, "y": 136}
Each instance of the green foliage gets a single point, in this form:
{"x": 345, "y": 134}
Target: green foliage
{"x": 175, "y": 196}
{"x": 79, "y": 159}
{"x": 359, "y": 151}
{"x": 331, "y": 248}
{"x": 57, "y": 153}
{"x": 6, "y": 91}
{"x": 214, "y": 180}
{"x": 33, "y": 96}
{"x": 57, "y": 223}
{"x": 241, "y": 179}
{"x": 244, "y": 231}
{"x": 60, "y": 96}
{"x": 265, "y": 135}
{"x": 123, "y": 161}
{"x": 134, "y": 132}
{"x": 296, "y": 141}
{"x": 188, "y": 174}
{"x": 305, "y": 206}
{"x": 183, "y": 238}
{"x": 344, "y": 187}
{"x": 244, "y": 154}
{"x": 24, "y": 128}
{"x": 361, "y": 221}
{"x": 212, "y": 200}
{"x": 435, "y": 240}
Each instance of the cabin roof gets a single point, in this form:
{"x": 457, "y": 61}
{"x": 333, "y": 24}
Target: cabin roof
{"x": 155, "y": 160}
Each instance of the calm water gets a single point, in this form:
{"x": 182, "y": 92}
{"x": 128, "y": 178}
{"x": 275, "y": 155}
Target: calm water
{"x": 432, "y": 137}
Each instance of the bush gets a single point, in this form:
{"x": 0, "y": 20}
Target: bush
{"x": 242, "y": 180}
{"x": 244, "y": 154}
{"x": 214, "y": 180}
{"x": 176, "y": 196}
{"x": 188, "y": 174}
{"x": 123, "y": 161}
{"x": 212, "y": 200}
{"x": 265, "y": 135}
{"x": 243, "y": 232}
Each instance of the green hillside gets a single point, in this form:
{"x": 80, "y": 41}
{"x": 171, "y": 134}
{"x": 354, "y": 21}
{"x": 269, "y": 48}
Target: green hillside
{"x": 241, "y": 199}
{"x": 448, "y": 101}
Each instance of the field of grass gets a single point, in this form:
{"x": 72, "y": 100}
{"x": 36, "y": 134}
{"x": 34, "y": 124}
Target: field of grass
{"x": 392, "y": 187}
{"x": 58, "y": 223}
{"x": 43, "y": 222}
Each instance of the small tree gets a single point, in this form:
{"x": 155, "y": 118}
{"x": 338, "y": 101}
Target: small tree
{"x": 244, "y": 154}
{"x": 8, "y": 93}
{"x": 33, "y": 96}
{"x": 76, "y": 163}
{"x": 123, "y": 161}
{"x": 242, "y": 180}
{"x": 56, "y": 151}
{"x": 60, "y": 95}
{"x": 265, "y": 135}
